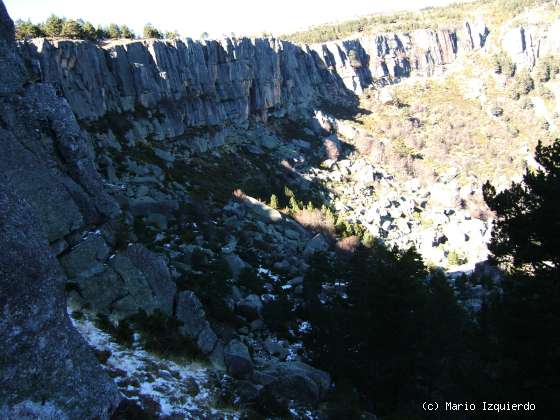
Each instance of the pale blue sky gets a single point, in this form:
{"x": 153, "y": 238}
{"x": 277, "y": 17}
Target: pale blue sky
{"x": 217, "y": 17}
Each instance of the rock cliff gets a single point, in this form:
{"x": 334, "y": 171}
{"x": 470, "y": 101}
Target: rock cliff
{"x": 192, "y": 84}
{"x": 167, "y": 89}
{"x": 364, "y": 61}
{"x": 526, "y": 43}
{"x": 46, "y": 368}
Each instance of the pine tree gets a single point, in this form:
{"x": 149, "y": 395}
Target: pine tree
{"x": 26, "y": 30}
{"x": 101, "y": 33}
{"x": 527, "y": 230}
{"x": 368, "y": 240}
{"x": 172, "y": 35}
{"x": 89, "y": 32}
{"x": 53, "y": 26}
{"x": 523, "y": 322}
{"x": 127, "y": 33}
{"x": 113, "y": 31}
{"x": 288, "y": 193}
{"x": 151, "y": 32}
{"x": 71, "y": 29}
{"x": 294, "y": 205}
{"x": 274, "y": 201}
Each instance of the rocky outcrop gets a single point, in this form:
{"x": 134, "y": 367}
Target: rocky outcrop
{"x": 525, "y": 44}
{"x": 364, "y": 61}
{"x": 46, "y": 368}
{"x": 190, "y": 84}
{"x": 167, "y": 89}
{"x": 295, "y": 380}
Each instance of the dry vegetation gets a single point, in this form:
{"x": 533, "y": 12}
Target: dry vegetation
{"x": 348, "y": 245}
{"x": 331, "y": 149}
{"x": 435, "y": 17}
{"x": 438, "y": 129}
{"x": 317, "y": 221}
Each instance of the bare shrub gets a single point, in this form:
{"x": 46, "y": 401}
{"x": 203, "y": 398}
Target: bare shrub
{"x": 348, "y": 246}
{"x": 239, "y": 195}
{"x": 424, "y": 173}
{"x": 363, "y": 144}
{"x": 368, "y": 146}
{"x": 399, "y": 130}
{"x": 331, "y": 149}
{"x": 316, "y": 220}
{"x": 478, "y": 209}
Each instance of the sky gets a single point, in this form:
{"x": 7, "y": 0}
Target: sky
{"x": 217, "y": 17}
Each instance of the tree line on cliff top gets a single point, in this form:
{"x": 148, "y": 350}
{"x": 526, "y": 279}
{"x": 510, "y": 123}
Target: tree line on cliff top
{"x": 60, "y": 27}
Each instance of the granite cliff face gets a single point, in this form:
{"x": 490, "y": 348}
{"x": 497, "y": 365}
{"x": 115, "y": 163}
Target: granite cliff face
{"x": 189, "y": 85}
{"x": 46, "y": 368}
{"x": 390, "y": 57}
{"x": 528, "y": 42}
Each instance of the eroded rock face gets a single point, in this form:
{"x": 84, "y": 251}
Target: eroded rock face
{"x": 526, "y": 44}
{"x": 45, "y": 364}
{"x": 46, "y": 368}
{"x": 47, "y": 159}
{"x": 193, "y": 84}
{"x": 165, "y": 89}
{"x": 363, "y": 61}
{"x": 12, "y": 72}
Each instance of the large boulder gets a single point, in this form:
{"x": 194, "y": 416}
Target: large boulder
{"x": 46, "y": 368}
{"x": 316, "y": 244}
{"x": 235, "y": 264}
{"x": 250, "y": 307}
{"x": 207, "y": 339}
{"x": 190, "y": 311}
{"x": 238, "y": 360}
{"x": 261, "y": 211}
{"x": 295, "y": 381}
{"x": 86, "y": 258}
{"x": 128, "y": 281}
{"x": 144, "y": 280}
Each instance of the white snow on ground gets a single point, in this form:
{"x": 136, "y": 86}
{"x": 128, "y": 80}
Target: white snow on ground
{"x": 304, "y": 327}
{"x": 180, "y": 389}
{"x": 265, "y": 271}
